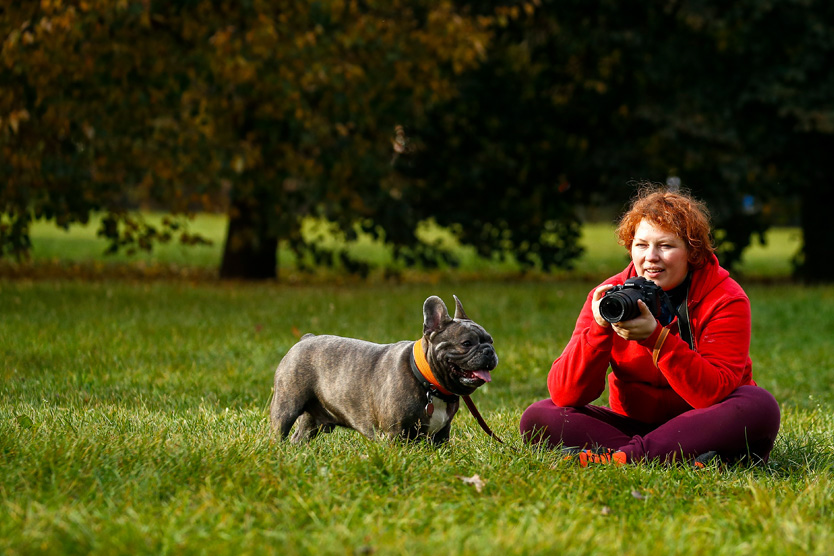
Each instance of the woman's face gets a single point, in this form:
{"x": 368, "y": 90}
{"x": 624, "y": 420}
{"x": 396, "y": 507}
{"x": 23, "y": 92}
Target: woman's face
{"x": 659, "y": 255}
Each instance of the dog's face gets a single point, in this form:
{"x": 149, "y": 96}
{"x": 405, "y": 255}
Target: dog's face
{"x": 460, "y": 350}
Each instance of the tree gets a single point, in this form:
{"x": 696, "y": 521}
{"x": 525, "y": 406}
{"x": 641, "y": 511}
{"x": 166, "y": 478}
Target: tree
{"x": 498, "y": 120}
{"x": 535, "y": 130}
{"x": 786, "y": 109}
{"x": 288, "y": 108}
{"x": 737, "y": 102}
{"x": 579, "y": 99}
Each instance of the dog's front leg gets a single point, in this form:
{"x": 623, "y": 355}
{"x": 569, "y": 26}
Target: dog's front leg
{"x": 441, "y": 436}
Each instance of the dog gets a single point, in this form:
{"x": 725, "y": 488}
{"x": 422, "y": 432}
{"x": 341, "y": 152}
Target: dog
{"x": 407, "y": 389}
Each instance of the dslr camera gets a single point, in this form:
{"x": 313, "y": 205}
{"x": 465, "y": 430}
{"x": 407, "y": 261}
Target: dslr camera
{"x": 620, "y": 302}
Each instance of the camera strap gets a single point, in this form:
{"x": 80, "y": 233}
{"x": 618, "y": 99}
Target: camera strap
{"x": 683, "y": 325}
{"x": 684, "y": 328}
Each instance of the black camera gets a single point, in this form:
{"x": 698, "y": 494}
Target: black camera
{"x": 620, "y": 302}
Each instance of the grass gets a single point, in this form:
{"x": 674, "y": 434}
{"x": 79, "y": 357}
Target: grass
{"x": 133, "y": 420}
{"x": 80, "y": 251}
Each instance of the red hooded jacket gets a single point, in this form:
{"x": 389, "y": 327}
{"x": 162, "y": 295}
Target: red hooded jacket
{"x": 682, "y": 379}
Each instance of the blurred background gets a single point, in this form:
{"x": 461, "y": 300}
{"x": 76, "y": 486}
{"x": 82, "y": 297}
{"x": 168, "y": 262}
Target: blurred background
{"x": 507, "y": 132}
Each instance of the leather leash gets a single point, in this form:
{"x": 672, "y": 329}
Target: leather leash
{"x": 477, "y": 415}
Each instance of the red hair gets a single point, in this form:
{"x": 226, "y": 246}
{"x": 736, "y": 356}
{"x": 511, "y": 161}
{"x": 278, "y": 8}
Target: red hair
{"x": 676, "y": 212}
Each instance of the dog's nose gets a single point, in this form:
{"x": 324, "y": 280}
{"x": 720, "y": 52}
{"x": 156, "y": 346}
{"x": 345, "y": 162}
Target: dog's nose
{"x": 491, "y": 357}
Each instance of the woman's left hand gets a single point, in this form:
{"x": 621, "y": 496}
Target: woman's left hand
{"x": 638, "y": 328}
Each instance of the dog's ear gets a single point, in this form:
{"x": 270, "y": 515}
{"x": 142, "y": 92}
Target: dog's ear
{"x": 460, "y": 314}
{"x": 435, "y": 315}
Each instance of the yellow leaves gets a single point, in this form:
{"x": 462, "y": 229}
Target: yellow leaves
{"x": 343, "y": 129}
{"x": 263, "y": 39}
{"x": 314, "y": 78}
{"x": 609, "y": 63}
{"x": 57, "y": 18}
{"x": 247, "y": 157}
{"x": 459, "y": 40}
{"x": 239, "y": 164}
{"x": 50, "y": 6}
{"x": 165, "y": 170}
{"x": 239, "y": 56}
{"x": 308, "y": 39}
{"x": 505, "y": 14}
{"x": 530, "y": 7}
{"x": 474, "y": 481}
{"x": 15, "y": 118}
{"x": 18, "y": 36}
{"x": 222, "y": 39}
{"x": 596, "y": 85}
{"x": 217, "y": 89}
{"x": 46, "y": 24}
{"x": 21, "y": 162}
{"x": 244, "y": 70}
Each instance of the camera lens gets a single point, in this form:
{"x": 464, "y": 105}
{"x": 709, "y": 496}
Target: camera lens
{"x": 620, "y": 305}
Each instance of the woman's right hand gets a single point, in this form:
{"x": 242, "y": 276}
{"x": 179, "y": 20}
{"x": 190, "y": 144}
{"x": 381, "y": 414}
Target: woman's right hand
{"x": 598, "y": 293}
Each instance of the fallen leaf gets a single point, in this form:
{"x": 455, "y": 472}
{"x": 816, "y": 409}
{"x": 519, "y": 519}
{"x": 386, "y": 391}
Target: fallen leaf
{"x": 606, "y": 510}
{"x": 296, "y": 332}
{"x": 638, "y": 495}
{"x": 475, "y": 480}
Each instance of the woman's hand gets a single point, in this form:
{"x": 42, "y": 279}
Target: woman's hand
{"x": 598, "y": 293}
{"x": 638, "y": 328}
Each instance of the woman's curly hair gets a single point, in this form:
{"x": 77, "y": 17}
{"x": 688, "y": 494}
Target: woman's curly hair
{"x": 674, "y": 211}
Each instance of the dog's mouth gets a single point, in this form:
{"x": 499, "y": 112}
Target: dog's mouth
{"x": 470, "y": 377}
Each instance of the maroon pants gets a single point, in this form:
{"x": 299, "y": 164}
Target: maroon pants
{"x": 743, "y": 426}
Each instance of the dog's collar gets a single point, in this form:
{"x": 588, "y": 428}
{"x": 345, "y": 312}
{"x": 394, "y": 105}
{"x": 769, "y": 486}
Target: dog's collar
{"x": 423, "y": 373}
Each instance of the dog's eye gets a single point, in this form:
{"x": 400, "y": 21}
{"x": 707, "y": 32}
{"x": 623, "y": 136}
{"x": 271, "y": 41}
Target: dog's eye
{"x": 467, "y": 344}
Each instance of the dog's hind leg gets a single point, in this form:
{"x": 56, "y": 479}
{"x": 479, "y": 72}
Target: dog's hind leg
{"x": 283, "y": 414}
{"x": 308, "y": 427}
{"x": 281, "y": 424}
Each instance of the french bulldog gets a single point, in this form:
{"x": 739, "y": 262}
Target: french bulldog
{"x": 407, "y": 389}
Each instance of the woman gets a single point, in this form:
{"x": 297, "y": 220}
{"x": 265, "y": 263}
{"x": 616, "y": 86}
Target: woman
{"x": 678, "y": 392}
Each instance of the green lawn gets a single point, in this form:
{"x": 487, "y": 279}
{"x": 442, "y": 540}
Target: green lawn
{"x": 133, "y": 420}
{"x": 81, "y": 251}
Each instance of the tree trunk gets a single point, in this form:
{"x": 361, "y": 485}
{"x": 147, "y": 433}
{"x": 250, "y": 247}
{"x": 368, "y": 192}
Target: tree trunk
{"x": 250, "y": 252}
{"x": 817, "y": 261}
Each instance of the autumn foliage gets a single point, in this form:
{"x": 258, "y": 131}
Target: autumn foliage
{"x": 272, "y": 110}
{"x": 495, "y": 119}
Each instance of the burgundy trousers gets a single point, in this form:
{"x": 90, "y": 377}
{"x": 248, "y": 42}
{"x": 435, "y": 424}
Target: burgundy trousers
{"x": 741, "y": 427}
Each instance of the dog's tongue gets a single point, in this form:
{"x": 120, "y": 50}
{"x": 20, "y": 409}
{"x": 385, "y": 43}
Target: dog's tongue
{"x": 483, "y": 375}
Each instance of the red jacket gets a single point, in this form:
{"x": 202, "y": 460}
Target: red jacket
{"x": 683, "y": 379}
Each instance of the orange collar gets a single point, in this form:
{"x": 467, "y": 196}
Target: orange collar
{"x": 425, "y": 369}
